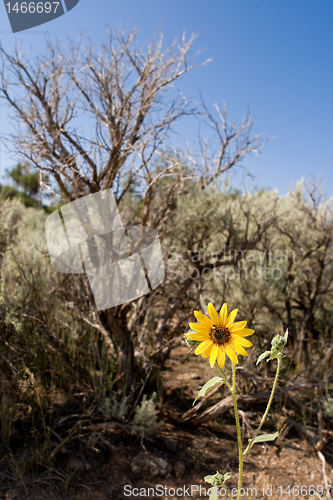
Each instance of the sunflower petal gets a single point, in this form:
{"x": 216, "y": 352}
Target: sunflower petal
{"x": 242, "y": 341}
{"x": 231, "y": 317}
{"x": 221, "y": 358}
{"x": 239, "y": 325}
{"x": 213, "y": 355}
{"x": 213, "y": 314}
{"x": 246, "y": 332}
{"x": 223, "y": 314}
{"x": 202, "y": 347}
{"x": 198, "y": 327}
{"x": 240, "y": 350}
{"x": 231, "y": 353}
{"x": 198, "y": 336}
{"x": 207, "y": 352}
{"x": 203, "y": 319}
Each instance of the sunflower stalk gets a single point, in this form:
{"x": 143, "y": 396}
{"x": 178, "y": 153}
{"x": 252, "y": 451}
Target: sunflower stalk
{"x": 239, "y": 434}
{"x": 249, "y": 446}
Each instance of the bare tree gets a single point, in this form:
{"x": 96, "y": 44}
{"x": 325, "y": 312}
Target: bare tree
{"x": 129, "y": 99}
{"x": 118, "y": 88}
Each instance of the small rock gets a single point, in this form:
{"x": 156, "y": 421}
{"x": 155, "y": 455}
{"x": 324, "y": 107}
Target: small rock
{"x": 156, "y": 466}
{"x": 179, "y": 469}
{"x": 77, "y": 464}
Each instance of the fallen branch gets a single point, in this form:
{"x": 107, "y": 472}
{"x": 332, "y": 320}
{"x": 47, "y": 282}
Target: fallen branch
{"x": 246, "y": 399}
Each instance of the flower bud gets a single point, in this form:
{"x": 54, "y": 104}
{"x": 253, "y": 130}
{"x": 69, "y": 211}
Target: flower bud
{"x": 217, "y": 479}
{"x": 190, "y": 342}
{"x": 278, "y": 342}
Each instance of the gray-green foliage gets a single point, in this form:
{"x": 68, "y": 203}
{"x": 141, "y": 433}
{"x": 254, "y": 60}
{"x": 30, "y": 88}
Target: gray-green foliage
{"x": 43, "y": 335}
{"x": 114, "y": 408}
{"x": 145, "y": 418}
{"x": 26, "y": 269}
{"x": 10, "y": 214}
{"x": 328, "y": 408}
{"x": 269, "y": 256}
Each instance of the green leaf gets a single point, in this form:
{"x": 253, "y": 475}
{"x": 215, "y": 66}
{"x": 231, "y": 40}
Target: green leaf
{"x": 263, "y": 356}
{"x": 266, "y": 437}
{"x": 209, "y": 479}
{"x": 286, "y": 336}
{"x": 274, "y": 355}
{"x": 208, "y": 385}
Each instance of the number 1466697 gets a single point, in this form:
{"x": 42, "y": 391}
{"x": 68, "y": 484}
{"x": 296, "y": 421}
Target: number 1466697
{"x": 32, "y": 7}
{"x": 305, "y": 491}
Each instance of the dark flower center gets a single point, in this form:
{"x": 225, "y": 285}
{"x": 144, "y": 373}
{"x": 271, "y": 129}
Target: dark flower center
{"x": 219, "y": 335}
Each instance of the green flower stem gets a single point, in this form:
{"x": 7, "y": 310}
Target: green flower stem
{"x": 228, "y": 491}
{"x": 249, "y": 446}
{"x": 226, "y": 380}
{"x": 239, "y": 435}
{"x": 230, "y": 389}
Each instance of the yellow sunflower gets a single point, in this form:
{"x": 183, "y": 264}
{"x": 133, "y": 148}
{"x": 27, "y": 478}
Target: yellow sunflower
{"x": 219, "y": 335}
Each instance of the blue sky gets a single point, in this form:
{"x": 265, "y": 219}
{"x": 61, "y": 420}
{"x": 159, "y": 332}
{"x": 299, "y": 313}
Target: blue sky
{"x": 272, "y": 57}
